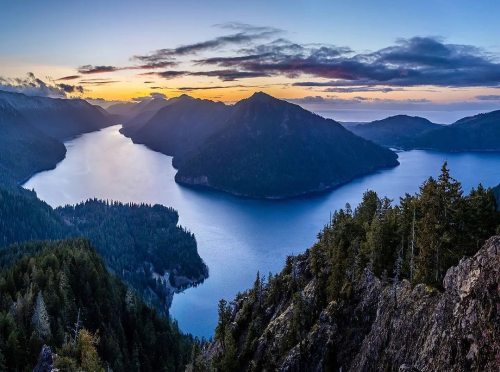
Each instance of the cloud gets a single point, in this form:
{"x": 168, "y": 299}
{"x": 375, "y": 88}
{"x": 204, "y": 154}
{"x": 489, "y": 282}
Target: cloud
{"x": 230, "y": 75}
{"x": 154, "y": 95}
{"x": 98, "y": 81}
{"x": 68, "y": 88}
{"x": 245, "y": 34}
{"x": 491, "y": 97}
{"x": 70, "y": 77}
{"x": 90, "y": 69}
{"x": 212, "y": 87}
{"x": 157, "y": 95}
{"x": 224, "y": 75}
{"x": 419, "y": 61}
{"x": 362, "y": 89}
{"x": 33, "y": 86}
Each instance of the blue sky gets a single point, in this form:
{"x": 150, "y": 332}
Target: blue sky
{"x": 54, "y": 38}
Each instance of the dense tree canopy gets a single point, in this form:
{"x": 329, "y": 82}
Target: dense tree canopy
{"x": 417, "y": 240}
{"x": 138, "y": 241}
{"x": 61, "y": 294}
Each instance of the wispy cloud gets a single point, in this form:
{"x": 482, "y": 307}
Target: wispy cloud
{"x": 70, "y": 77}
{"x": 490, "y": 97}
{"x": 244, "y": 34}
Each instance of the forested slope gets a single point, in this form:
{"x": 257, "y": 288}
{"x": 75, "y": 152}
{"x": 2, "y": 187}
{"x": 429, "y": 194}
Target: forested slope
{"x": 369, "y": 294}
{"x": 61, "y": 294}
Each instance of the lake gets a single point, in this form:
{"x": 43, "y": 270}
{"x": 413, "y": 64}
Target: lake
{"x": 236, "y": 237}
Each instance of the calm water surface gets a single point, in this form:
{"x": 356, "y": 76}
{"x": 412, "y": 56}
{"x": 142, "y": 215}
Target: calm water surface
{"x": 236, "y": 237}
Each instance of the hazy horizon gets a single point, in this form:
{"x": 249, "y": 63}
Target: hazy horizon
{"x": 359, "y": 61}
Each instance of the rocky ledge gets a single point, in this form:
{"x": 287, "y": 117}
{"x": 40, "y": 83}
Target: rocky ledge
{"x": 387, "y": 326}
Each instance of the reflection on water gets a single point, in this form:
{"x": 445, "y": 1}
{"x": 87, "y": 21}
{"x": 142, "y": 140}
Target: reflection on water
{"x": 236, "y": 237}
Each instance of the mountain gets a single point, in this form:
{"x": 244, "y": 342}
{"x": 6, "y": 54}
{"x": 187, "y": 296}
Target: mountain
{"x": 137, "y": 112}
{"x": 384, "y": 288}
{"x": 144, "y": 111}
{"x": 394, "y": 131}
{"x": 59, "y": 294}
{"x": 180, "y": 127}
{"x": 475, "y": 133}
{"x": 24, "y": 150}
{"x": 274, "y": 149}
{"x": 58, "y": 118}
{"x": 142, "y": 244}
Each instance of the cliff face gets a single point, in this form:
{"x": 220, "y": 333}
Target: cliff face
{"x": 382, "y": 325}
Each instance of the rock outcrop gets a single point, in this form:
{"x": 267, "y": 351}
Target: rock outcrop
{"x": 386, "y": 326}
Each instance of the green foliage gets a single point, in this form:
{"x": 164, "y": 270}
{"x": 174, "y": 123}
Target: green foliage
{"x": 24, "y": 217}
{"x": 138, "y": 241}
{"x": 416, "y": 240}
{"x": 70, "y": 279}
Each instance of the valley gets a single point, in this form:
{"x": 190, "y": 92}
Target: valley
{"x": 236, "y": 237}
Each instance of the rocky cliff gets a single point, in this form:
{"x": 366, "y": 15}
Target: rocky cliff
{"x": 381, "y": 325}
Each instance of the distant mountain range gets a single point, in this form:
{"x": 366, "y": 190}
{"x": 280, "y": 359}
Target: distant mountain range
{"x": 58, "y": 118}
{"x": 180, "y": 127}
{"x": 394, "y": 131}
{"x": 261, "y": 147}
{"x": 475, "y": 133}
{"x": 32, "y": 130}
{"x": 137, "y": 113}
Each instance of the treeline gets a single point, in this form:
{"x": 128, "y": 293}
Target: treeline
{"x": 138, "y": 241}
{"x": 24, "y": 217}
{"x": 60, "y": 294}
{"x": 416, "y": 240}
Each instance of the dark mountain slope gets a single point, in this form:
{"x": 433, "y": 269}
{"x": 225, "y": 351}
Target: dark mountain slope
{"x": 144, "y": 111}
{"x": 180, "y": 127}
{"x": 394, "y": 131}
{"x": 24, "y": 150}
{"x": 136, "y": 112}
{"x": 476, "y": 133}
{"x": 271, "y": 148}
{"x": 47, "y": 288}
{"x": 385, "y": 288}
{"x": 58, "y": 118}
{"x": 141, "y": 244}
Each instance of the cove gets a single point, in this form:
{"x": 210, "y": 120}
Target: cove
{"x": 236, "y": 237}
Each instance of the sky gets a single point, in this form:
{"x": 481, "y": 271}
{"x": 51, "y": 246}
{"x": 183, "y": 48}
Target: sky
{"x": 353, "y": 60}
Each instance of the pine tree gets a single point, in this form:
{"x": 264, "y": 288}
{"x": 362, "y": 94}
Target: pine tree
{"x": 40, "y": 318}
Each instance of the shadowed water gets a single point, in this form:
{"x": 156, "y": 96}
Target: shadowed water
{"x": 236, "y": 237}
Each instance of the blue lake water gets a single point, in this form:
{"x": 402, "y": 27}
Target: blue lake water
{"x": 236, "y": 237}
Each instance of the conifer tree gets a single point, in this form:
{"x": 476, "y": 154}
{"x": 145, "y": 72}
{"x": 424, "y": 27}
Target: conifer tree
{"x": 40, "y": 318}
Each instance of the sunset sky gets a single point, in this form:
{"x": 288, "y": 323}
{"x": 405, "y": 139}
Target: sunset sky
{"x": 439, "y": 55}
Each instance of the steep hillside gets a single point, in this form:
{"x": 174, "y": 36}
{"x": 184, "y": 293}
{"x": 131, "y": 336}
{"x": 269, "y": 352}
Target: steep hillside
{"x": 181, "y": 127}
{"x": 394, "y": 131}
{"x": 58, "y": 118}
{"x": 24, "y": 150}
{"x": 142, "y": 244}
{"x": 137, "y": 112}
{"x": 273, "y": 149}
{"x": 61, "y": 295}
{"x": 383, "y": 289}
{"x": 476, "y": 133}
